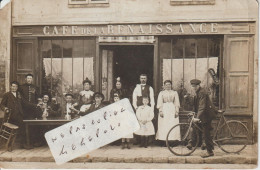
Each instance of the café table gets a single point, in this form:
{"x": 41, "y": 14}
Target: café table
{"x": 42, "y": 122}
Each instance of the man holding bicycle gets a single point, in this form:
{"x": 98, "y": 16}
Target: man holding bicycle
{"x": 204, "y": 113}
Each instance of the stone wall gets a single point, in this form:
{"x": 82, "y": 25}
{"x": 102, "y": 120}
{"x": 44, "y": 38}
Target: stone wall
{"x": 5, "y": 34}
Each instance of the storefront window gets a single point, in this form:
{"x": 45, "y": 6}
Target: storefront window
{"x": 65, "y": 64}
{"x": 186, "y": 58}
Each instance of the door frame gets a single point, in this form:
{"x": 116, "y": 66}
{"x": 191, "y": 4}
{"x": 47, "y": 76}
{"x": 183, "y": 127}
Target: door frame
{"x": 98, "y": 70}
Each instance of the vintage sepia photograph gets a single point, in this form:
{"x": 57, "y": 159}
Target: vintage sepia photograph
{"x": 129, "y": 84}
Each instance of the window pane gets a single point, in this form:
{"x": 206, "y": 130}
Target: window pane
{"x": 46, "y": 69}
{"x": 190, "y": 45}
{"x": 78, "y": 60}
{"x": 89, "y": 55}
{"x": 214, "y": 47}
{"x": 56, "y": 69}
{"x": 67, "y": 66}
{"x": 165, "y": 48}
{"x": 202, "y": 48}
{"x": 177, "y": 48}
{"x": 199, "y": 55}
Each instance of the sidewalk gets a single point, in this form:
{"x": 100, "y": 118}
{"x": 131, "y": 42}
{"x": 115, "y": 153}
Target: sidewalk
{"x": 152, "y": 154}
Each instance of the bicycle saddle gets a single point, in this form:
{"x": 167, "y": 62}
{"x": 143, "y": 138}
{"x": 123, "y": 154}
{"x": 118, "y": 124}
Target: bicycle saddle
{"x": 221, "y": 111}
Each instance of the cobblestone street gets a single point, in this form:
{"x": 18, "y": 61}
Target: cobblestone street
{"x": 154, "y": 154}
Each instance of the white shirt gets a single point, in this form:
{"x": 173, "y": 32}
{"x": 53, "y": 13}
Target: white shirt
{"x": 14, "y": 93}
{"x": 138, "y": 92}
{"x": 68, "y": 106}
{"x": 86, "y": 93}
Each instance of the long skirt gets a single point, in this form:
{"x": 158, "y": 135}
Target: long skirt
{"x": 167, "y": 122}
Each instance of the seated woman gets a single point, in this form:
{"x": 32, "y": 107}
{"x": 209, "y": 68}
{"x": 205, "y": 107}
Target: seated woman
{"x": 49, "y": 109}
{"x": 98, "y": 99}
{"x": 85, "y": 96}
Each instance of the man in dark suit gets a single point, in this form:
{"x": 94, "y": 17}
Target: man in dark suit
{"x": 30, "y": 95}
{"x": 204, "y": 113}
{"x": 12, "y": 104}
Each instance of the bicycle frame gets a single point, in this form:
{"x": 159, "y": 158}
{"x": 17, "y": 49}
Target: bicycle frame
{"x": 222, "y": 117}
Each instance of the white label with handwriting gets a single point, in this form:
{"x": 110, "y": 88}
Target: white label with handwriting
{"x": 92, "y": 131}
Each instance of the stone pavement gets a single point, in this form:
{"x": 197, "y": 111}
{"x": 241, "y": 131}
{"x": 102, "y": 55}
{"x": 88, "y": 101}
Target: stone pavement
{"x": 154, "y": 154}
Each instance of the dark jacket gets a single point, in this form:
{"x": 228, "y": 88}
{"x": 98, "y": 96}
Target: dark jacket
{"x": 64, "y": 111}
{"x": 15, "y": 105}
{"x": 123, "y": 93}
{"x": 24, "y": 90}
{"x": 91, "y": 109}
{"x": 54, "y": 110}
{"x": 29, "y": 106}
{"x": 203, "y": 106}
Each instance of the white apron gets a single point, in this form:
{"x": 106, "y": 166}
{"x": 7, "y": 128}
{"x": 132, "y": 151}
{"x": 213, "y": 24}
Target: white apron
{"x": 167, "y": 122}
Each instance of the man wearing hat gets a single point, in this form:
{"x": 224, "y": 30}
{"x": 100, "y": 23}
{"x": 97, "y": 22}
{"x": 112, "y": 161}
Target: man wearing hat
{"x": 203, "y": 115}
{"x": 68, "y": 107}
{"x": 30, "y": 95}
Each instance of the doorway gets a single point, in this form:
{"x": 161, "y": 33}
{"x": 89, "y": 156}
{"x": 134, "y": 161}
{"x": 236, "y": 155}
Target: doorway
{"x": 126, "y": 62}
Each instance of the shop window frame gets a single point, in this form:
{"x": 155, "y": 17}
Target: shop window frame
{"x": 220, "y": 63}
{"x": 41, "y": 67}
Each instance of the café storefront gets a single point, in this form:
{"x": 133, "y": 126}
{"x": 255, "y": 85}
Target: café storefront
{"x": 221, "y": 54}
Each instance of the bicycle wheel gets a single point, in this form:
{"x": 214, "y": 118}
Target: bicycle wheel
{"x": 232, "y": 137}
{"x": 179, "y": 147}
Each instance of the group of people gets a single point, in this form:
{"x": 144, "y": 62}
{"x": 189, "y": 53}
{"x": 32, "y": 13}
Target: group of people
{"x": 24, "y": 102}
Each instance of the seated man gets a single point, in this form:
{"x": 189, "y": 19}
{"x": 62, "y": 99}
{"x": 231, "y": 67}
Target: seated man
{"x": 12, "y": 104}
{"x": 49, "y": 109}
{"x": 69, "y": 106}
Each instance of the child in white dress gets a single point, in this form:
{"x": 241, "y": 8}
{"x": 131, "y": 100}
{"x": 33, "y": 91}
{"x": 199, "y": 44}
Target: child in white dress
{"x": 145, "y": 115}
{"x": 126, "y": 139}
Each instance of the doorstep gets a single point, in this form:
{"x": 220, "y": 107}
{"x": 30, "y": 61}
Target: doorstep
{"x": 152, "y": 154}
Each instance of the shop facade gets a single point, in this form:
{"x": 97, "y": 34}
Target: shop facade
{"x": 220, "y": 52}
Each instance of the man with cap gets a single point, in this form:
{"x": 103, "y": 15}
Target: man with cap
{"x": 30, "y": 95}
{"x": 68, "y": 106}
{"x": 203, "y": 115}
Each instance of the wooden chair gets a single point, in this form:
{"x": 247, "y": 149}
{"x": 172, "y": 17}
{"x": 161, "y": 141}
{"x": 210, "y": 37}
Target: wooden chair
{"x": 8, "y": 131}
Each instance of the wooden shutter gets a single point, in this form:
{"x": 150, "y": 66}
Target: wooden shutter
{"x": 25, "y": 60}
{"x": 238, "y": 70}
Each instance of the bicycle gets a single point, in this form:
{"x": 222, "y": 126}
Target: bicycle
{"x": 231, "y": 134}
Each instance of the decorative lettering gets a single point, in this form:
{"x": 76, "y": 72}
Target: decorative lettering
{"x": 45, "y": 31}
{"x": 168, "y": 28}
{"x": 213, "y": 27}
{"x": 64, "y": 30}
{"x": 202, "y": 30}
{"x": 159, "y": 29}
{"x": 55, "y": 30}
{"x": 181, "y": 29}
{"x": 74, "y": 30}
{"x": 192, "y": 27}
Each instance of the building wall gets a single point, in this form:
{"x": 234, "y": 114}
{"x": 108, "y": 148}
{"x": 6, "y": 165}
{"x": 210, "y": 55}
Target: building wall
{"x": 5, "y": 48}
{"x": 29, "y": 12}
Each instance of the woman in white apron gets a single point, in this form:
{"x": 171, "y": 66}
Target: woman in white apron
{"x": 168, "y": 105}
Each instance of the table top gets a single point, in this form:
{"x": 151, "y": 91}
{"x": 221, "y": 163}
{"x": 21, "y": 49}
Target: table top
{"x": 47, "y": 120}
